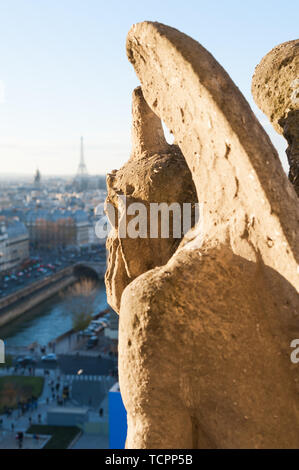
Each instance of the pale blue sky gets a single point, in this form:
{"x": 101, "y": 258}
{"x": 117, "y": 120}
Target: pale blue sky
{"x": 65, "y": 73}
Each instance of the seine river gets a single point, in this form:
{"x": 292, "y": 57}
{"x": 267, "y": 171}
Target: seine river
{"x": 46, "y": 321}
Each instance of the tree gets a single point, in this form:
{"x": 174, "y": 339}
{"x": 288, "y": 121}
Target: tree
{"x": 80, "y": 300}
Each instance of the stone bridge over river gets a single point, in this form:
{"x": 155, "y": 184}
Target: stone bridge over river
{"x": 95, "y": 270}
{"x": 14, "y": 305}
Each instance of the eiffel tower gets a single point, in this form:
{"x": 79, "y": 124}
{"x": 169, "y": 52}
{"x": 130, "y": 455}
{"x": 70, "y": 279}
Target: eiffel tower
{"x": 82, "y": 174}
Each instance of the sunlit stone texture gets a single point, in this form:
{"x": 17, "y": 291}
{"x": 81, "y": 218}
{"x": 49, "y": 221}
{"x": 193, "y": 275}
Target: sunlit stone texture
{"x": 204, "y": 340}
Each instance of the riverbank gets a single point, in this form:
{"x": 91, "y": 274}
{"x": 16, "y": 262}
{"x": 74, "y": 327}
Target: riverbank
{"x": 47, "y": 320}
{"x": 14, "y": 305}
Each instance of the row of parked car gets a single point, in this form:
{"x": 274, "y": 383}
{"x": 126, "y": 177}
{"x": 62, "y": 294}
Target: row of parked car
{"x": 30, "y": 361}
{"x": 14, "y": 279}
{"x": 94, "y": 328}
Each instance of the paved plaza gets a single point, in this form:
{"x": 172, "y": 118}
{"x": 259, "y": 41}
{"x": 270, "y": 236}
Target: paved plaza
{"x": 91, "y": 390}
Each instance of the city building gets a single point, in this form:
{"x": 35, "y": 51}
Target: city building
{"x": 14, "y": 243}
{"x": 57, "y": 228}
{"x": 17, "y": 243}
{"x": 3, "y": 246}
{"x": 54, "y": 215}
{"x": 82, "y": 227}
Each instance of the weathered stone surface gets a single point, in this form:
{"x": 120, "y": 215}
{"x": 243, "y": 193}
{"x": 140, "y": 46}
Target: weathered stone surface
{"x": 275, "y": 88}
{"x": 275, "y": 83}
{"x": 204, "y": 341}
{"x": 148, "y": 177}
{"x": 291, "y": 133}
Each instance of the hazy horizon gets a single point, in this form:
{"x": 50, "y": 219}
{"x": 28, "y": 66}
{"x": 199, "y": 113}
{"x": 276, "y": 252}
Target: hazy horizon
{"x": 4, "y": 175}
{"x": 64, "y": 72}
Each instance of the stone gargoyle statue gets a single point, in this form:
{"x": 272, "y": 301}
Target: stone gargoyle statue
{"x": 206, "y": 320}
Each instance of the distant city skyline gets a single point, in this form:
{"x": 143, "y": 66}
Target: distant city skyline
{"x": 64, "y": 72}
